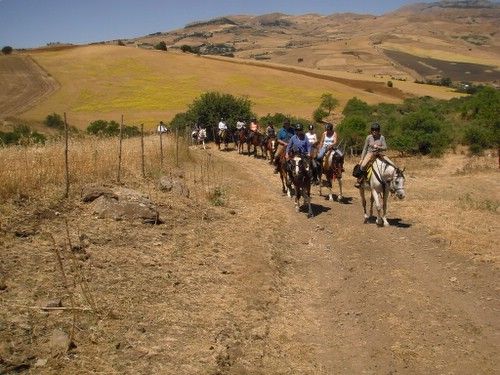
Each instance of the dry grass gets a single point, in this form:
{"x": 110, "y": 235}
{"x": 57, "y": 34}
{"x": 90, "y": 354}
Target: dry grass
{"x": 146, "y": 86}
{"x": 457, "y": 198}
{"x": 39, "y": 171}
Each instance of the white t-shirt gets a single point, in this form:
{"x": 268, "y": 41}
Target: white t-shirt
{"x": 312, "y": 138}
{"x": 222, "y": 125}
{"x": 240, "y": 124}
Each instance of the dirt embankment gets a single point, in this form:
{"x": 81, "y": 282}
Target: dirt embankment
{"x": 24, "y": 83}
{"x": 251, "y": 287}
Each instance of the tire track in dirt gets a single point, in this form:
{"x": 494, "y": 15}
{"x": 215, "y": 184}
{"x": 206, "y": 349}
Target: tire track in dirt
{"x": 355, "y": 298}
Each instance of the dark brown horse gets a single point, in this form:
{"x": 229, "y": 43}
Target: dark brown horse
{"x": 332, "y": 168}
{"x": 255, "y": 139}
{"x": 223, "y": 137}
{"x": 300, "y": 175}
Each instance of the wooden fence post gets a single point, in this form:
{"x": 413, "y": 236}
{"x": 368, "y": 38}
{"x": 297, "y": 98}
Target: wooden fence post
{"x": 177, "y": 145}
{"x": 161, "y": 150}
{"x": 142, "y": 151}
{"x": 120, "y": 151}
{"x": 66, "y": 163}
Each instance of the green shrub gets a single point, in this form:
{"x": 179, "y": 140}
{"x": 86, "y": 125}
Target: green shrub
{"x": 54, "y": 121}
{"x": 162, "y": 46}
{"x": 357, "y": 107}
{"x": 353, "y": 130}
{"x": 7, "y": 50}
{"x": 104, "y": 128}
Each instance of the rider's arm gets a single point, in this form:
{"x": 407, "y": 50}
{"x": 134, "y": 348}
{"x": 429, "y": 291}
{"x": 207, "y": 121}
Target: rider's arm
{"x": 365, "y": 149}
{"x": 322, "y": 140}
{"x": 334, "y": 139}
{"x": 383, "y": 145}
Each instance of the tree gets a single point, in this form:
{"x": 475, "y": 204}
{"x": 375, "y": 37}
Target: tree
{"x": 162, "y": 46}
{"x": 7, "y": 50}
{"x": 319, "y": 114}
{"x": 357, "y": 107}
{"x": 54, "y": 121}
{"x": 210, "y": 107}
{"x": 353, "y": 131}
{"x": 422, "y": 132}
{"x": 328, "y": 102}
{"x": 104, "y": 128}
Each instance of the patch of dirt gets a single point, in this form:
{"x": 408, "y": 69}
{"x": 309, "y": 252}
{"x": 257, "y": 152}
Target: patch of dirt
{"x": 249, "y": 287}
{"x": 24, "y": 83}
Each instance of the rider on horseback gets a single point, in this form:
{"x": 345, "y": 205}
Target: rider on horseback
{"x": 372, "y": 149}
{"x": 283, "y": 137}
{"x": 327, "y": 142}
{"x": 299, "y": 144}
{"x": 222, "y": 127}
{"x": 240, "y": 125}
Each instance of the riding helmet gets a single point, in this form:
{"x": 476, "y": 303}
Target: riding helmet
{"x": 375, "y": 126}
{"x": 299, "y": 127}
{"x": 329, "y": 127}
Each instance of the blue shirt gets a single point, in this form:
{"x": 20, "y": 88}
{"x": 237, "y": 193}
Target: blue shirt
{"x": 285, "y": 135}
{"x": 299, "y": 146}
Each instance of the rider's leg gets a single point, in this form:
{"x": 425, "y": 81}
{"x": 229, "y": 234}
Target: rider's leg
{"x": 363, "y": 166}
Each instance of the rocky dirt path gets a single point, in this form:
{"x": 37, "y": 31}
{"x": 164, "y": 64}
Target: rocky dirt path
{"x": 338, "y": 296}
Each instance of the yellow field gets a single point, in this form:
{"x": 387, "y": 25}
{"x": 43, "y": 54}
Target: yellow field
{"x": 104, "y": 82}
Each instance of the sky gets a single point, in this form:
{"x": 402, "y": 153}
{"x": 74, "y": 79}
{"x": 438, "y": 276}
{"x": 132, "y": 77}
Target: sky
{"x": 34, "y": 23}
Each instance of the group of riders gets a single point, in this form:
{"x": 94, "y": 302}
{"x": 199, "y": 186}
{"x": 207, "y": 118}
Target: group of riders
{"x": 292, "y": 141}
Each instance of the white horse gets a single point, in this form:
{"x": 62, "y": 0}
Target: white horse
{"x": 200, "y": 138}
{"x": 383, "y": 177}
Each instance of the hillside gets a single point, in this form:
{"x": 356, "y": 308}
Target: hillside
{"x": 104, "y": 82}
{"x": 463, "y": 32}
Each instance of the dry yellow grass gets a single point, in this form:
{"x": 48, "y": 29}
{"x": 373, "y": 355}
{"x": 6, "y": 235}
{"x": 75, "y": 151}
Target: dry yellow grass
{"x": 104, "y": 82}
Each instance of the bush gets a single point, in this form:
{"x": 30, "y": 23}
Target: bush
{"x": 104, "y": 128}
{"x": 389, "y": 84}
{"x": 21, "y": 135}
{"x": 7, "y": 50}
{"x": 54, "y": 121}
{"x": 357, "y": 107}
{"x": 319, "y": 114}
{"x": 186, "y": 48}
{"x": 162, "y": 46}
{"x": 353, "y": 130}
{"x": 422, "y": 132}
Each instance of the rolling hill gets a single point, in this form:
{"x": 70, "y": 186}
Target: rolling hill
{"x": 446, "y": 32}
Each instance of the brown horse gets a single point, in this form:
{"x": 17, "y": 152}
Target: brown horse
{"x": 255, "y": 139}
{"x": 332, "y": 168}
{"x": 286, "y": 185}
{"x": 270, "y": 148}
{"x": 240, "y": 138}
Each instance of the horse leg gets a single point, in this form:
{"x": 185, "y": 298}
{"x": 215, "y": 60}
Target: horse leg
{"x": 307, "y": 199}
{"x": 378, "y": 206}
{"x": 384, "y": 207}
{"x": 329, "y": 184}
{"x": 363, "y": 203}
{"x": 340, "y": 197}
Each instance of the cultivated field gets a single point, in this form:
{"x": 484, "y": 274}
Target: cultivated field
{"x": 148, "y": 86}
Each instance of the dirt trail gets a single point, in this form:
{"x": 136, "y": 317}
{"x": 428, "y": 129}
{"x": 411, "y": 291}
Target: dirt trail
{"x": 251, "y": 287}
{"x": 355, "y": 298}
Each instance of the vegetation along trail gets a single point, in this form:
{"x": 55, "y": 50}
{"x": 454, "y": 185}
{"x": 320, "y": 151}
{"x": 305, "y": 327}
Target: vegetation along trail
{"x": 339, "y": 296}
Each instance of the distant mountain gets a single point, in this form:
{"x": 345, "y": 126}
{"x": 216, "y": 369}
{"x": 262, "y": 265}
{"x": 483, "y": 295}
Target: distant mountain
{"x": 394, "y": 44}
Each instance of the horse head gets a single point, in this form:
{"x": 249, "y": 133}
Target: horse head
{"x": 299, "y": 168}
{"x": 397, "y": 183}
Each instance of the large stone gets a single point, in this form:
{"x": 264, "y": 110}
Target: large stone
{"x": 91, "y": 192}
{"x": 125, "y": 204}
{"x": 174, "y": 185}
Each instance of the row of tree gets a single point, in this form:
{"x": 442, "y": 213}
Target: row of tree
{"x": 417, "y": 126}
